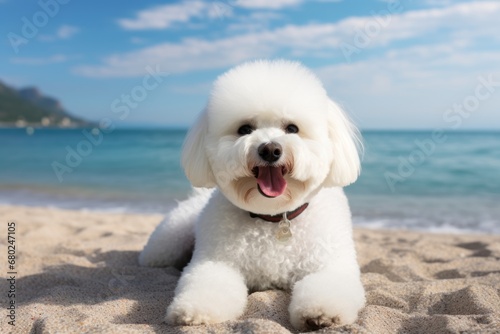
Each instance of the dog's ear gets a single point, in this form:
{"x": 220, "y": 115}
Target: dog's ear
{"x": 345, "y": 140}
{"x": 194, "y": 156}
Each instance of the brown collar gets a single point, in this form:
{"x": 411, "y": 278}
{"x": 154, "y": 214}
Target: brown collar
{"x": 279, "y": 217}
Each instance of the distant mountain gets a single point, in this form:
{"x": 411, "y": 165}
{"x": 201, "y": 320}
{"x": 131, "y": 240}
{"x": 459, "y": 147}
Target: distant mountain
{"x": 28, "y": 107}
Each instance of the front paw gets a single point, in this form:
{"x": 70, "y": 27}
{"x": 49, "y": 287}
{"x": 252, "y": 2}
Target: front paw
{"x": 207, "y": 293}
{"x": 205, "y": 309}
{"x": 318, "y": 303}
{"x": 314, "y": 319}
{"x": 188, "y": 315}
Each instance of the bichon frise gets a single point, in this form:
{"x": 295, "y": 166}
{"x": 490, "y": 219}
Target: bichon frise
{"x": 277, "y": 151}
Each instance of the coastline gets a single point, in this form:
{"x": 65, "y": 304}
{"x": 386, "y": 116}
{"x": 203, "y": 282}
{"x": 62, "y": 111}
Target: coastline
{"x": 77, "y": 271}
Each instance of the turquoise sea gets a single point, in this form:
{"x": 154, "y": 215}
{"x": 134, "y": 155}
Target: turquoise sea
{"x": 410, "y": 179}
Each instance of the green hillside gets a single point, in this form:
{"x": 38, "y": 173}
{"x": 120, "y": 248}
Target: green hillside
{"x": 29, "y": 107}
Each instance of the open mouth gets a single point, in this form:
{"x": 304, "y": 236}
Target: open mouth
{"x": 270, "y": 180}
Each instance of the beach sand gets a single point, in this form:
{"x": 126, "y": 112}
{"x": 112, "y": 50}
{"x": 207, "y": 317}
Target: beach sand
{"x": 77, "y": 272}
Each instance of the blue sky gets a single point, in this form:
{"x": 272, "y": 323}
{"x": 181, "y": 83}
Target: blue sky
{"x": 392, "y": 65}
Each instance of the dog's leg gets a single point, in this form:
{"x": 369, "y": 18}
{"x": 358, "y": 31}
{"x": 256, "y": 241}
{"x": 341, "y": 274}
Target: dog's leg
{"x": 172, "y": 241}
{"x": 208, "y": 292}
{"x": 329, "y": 297}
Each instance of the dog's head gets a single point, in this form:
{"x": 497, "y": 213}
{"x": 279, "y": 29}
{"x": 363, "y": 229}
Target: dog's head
{"x": 270, "y": 138}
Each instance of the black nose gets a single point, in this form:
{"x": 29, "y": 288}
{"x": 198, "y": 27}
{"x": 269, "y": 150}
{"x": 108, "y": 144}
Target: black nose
{"x": 270, "y": 152}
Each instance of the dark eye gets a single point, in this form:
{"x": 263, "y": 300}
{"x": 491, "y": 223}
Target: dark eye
{"x": 291, "y": 128}
{"x": 245, "y": 130}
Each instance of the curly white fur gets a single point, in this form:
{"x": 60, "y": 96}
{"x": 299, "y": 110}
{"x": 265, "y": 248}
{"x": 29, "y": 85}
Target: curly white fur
{"x": 234, "y": 252}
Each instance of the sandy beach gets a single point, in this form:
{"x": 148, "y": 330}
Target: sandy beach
{"x": 77, "y": 272}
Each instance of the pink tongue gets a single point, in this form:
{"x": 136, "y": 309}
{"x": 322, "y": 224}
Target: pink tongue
{"x": 271, "y": 181}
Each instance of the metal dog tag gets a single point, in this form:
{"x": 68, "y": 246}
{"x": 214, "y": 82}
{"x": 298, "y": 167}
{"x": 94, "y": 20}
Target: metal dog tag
{"x": 283, "y": 233}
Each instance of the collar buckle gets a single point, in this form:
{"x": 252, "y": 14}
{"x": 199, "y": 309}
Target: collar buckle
{"x": 283, "y": 233}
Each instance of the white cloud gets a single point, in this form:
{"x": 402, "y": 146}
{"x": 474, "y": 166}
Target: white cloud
{"x": 67, "y": 31}
{"x": 413, "y": 86}
{"x": 198, "y": 54}
{"x": 465, "y": 22}
{"x": 328, "y": 1}
{"x": 58, "y": 58}
{"x": 63, "y": 32}
{"x": 165, "y": 16}
{"x": 267, "y": 4}
{"x": 427, "y": 66}
{"x": 255, "y": 21}
{"x": 434, "y": 3}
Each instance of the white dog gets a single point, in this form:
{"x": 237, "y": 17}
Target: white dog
{"x": 278, "y": 151}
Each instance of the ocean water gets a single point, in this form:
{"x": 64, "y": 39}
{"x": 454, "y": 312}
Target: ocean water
{"x": 411, "y": 180}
